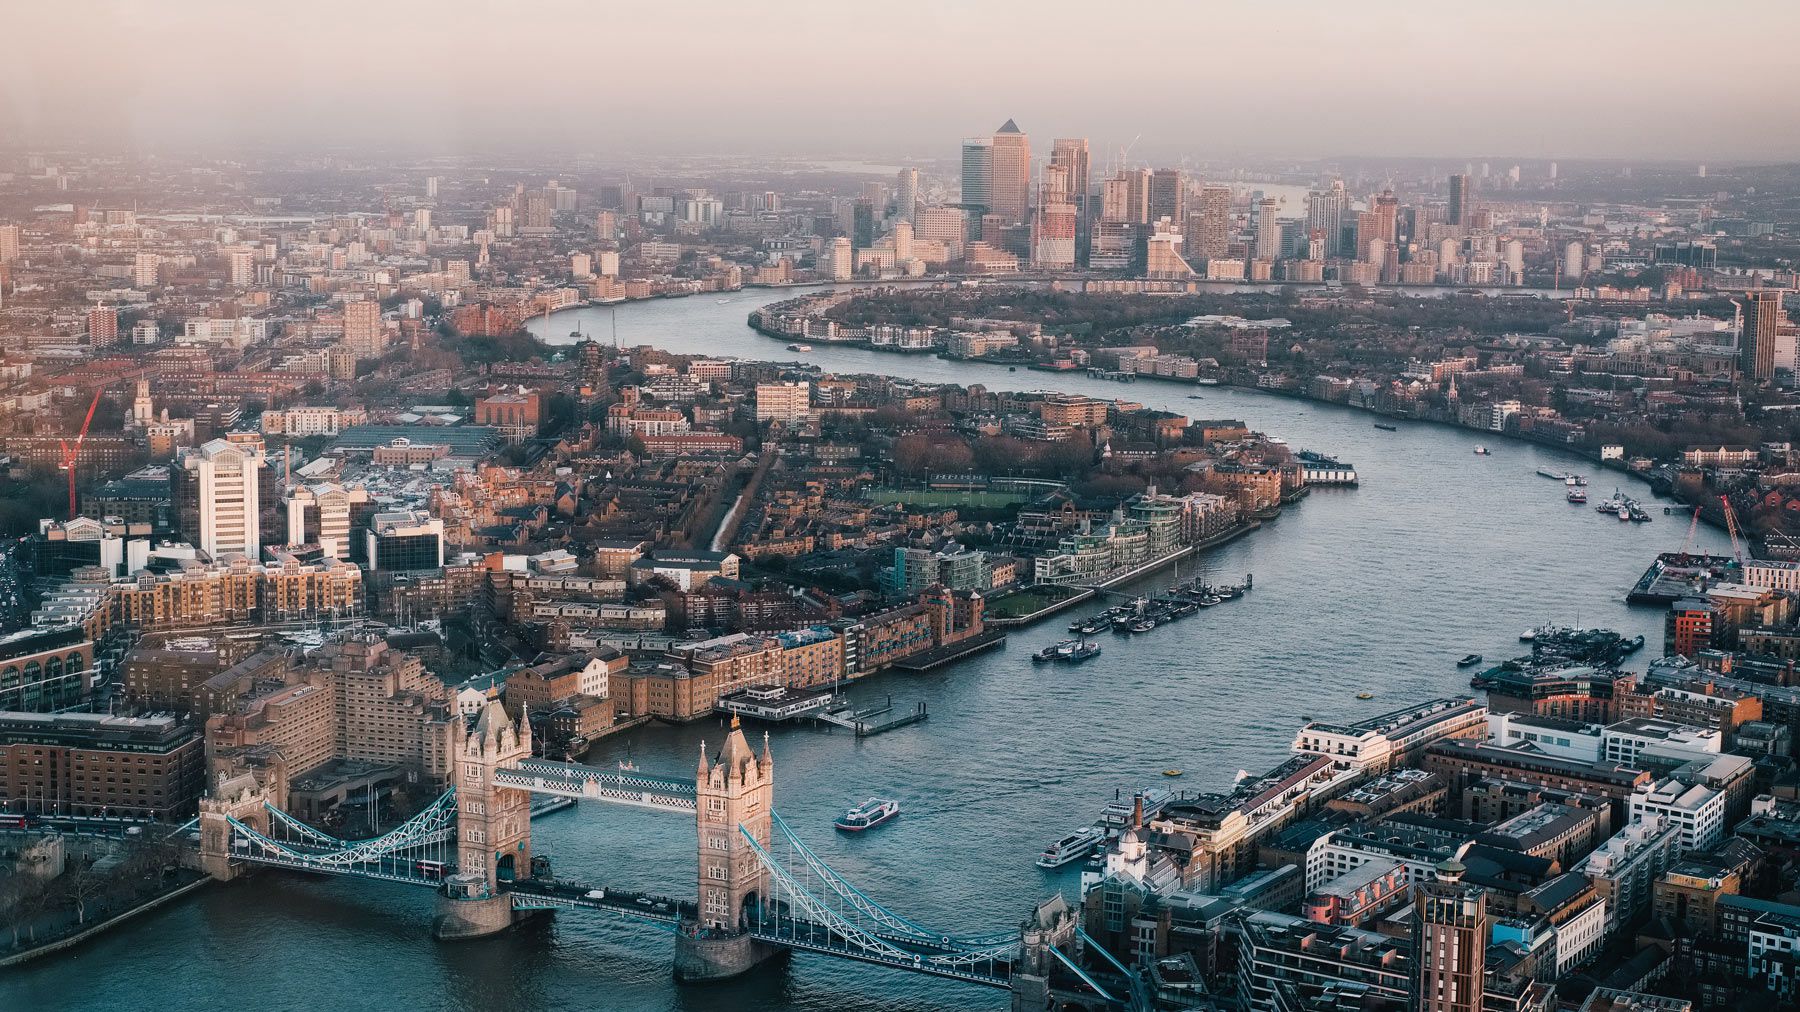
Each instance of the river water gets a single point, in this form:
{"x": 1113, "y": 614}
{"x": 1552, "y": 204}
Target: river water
{"x": 1379, "y": 589}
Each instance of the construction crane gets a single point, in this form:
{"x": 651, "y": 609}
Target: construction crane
{"x": 70, "y": 453}
{"x": 1731, "y": 527}
{"x": 1687, "y": 547}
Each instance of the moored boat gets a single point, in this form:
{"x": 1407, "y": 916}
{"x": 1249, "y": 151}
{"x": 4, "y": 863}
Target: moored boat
{"x": 1070, "y": 848}
{"x": 1469, "y": 661}
{"x": 1083, "y": 651}
{"x": 1576, "y": 496}
{"x": 868, "y": 815}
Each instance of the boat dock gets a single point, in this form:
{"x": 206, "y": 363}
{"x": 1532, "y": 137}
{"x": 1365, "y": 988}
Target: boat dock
{"x": 940, "y": 656}
{"x": 776, "y": 704}
{"x": 1675, "y": 575}
{"x": 872, "y": 720}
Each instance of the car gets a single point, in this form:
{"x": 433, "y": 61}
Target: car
{"x": 642, "y": 901}
{"x": 596, "y": 894}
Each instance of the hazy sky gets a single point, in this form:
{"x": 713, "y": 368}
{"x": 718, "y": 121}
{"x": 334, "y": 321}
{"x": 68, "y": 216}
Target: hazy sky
{"x": 1527, "y": 78}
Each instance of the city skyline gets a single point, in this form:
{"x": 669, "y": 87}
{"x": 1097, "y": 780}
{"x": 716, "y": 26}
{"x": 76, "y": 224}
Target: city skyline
{"x": 433, "y": 79}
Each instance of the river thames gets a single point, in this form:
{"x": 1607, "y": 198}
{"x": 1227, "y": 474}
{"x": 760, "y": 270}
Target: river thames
{"x": 1378, "y": 589}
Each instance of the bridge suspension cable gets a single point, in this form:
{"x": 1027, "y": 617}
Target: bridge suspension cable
{"x": 795, "y": 916}
{"x": 863, "y": 903}
{"x": 421, "y": 850}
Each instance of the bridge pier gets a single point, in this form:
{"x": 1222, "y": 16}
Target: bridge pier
{"x": 466, "y": 910}
{"x": 699, "y": 959}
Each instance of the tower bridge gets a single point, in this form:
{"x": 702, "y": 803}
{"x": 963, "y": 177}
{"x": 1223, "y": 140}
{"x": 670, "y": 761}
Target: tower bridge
{"x": 759, "y": 889}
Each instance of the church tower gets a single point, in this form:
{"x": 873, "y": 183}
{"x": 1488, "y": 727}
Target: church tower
{"x": 493, "y": 823}
{"x": 143, "y": 413}
{"x": 734, "y": 789}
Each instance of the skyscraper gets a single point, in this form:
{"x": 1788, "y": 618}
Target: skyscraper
{"x": 1209, "y": 228}
{"x": 1756, "y": 340}
{"x": 1138, "y": 181}
{"x": 1071, "y": 155}
{"x": 1325, "y": 215}
{"x": 1010, "y": 179}
{"x": 977, "y": 173}
{"x": 1053, "y": 231}
{"x": 227, "y": 477}
{"x": 1168, "y": 196}
{"x": 9, "y": 243}
{"x": 1267, "y": 231}
{"x": 1458, "y": 213}
{"x": 1387, "y": 214}
{"x": 906, "y": 195}
{"x": 862, "y": 223}
{"x": 1450, "y": 939}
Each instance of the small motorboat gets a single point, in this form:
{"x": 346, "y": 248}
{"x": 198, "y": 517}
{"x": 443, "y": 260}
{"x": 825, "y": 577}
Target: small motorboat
{"x": 868, "y": 815}
{"x": 1365, "y": 695}
{"x": 1482, "y": 451}
{"x": 1387, "y": 428}
{"x": 1172, "y": 772}
{"x": 1469, "y": 661}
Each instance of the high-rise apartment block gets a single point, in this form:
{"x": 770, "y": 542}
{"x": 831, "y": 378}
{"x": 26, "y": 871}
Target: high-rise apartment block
{"x": 144, "y": 270}
{"x": 1209, "y": 230}
{"x": 103, "y": 326}
{"x": 784, "y": 402}
{"x": 1070, "y": 154}
{"x": 1756, "y": 341}
{"x": 228, "y": 479}
{"x": 1264, "y": 226}
{"x": 906, "y": 194}
{"x": 363, "y": 332}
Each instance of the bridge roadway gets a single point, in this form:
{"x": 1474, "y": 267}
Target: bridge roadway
{"x": 779, "y": 929}
{"x": 573, "y": 780}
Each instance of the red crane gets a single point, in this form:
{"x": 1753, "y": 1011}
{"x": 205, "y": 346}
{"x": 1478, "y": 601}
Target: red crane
{"x": 69, "y": 453}
{"x": 1731, "y": 527}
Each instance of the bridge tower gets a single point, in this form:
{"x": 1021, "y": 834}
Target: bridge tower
{"x": 1051, "y": 926}
{"x": 493, "y": 828}
{"x": 735, "y": 789}
{"x": 237, "y": 796}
